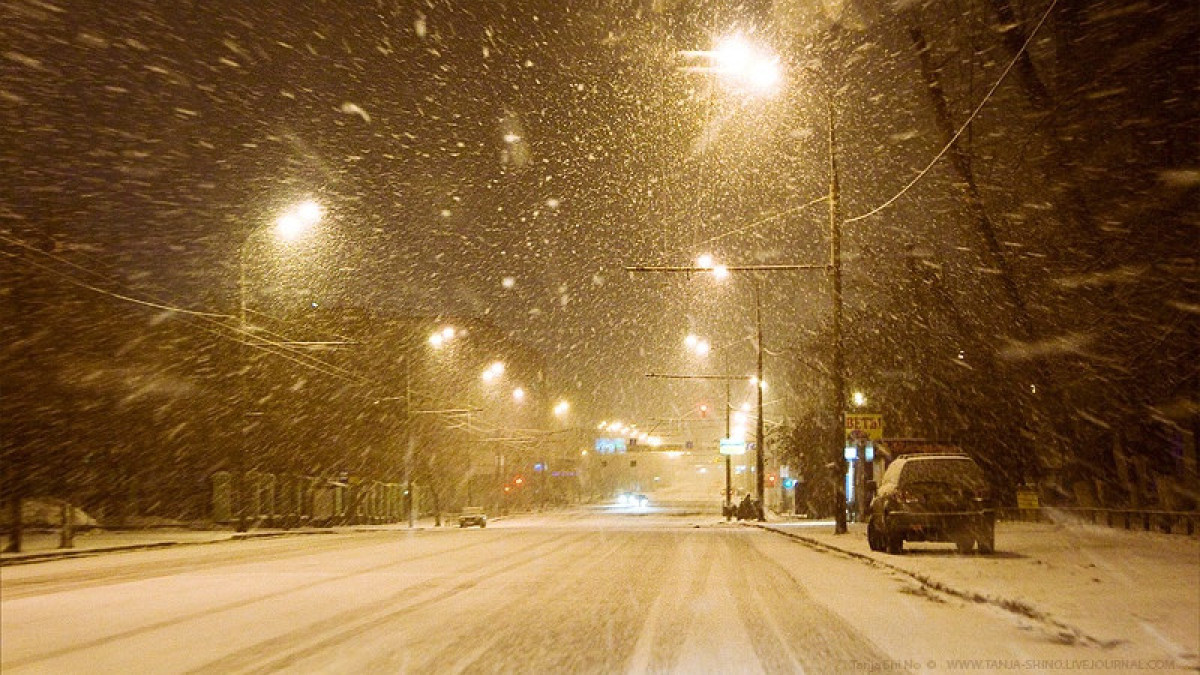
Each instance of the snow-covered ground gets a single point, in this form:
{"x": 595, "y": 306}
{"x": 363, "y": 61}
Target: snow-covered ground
{"x": 609, "y": 590}
{"x": 1133, "y": 593}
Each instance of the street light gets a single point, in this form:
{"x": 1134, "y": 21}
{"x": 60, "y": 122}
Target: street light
{"x": 561, "y": 409}
{"x": 710, "y": 266}
{"x": 289, "y": 226}
{"x": 493, "y": 371}
{"x": 742, "y": 64}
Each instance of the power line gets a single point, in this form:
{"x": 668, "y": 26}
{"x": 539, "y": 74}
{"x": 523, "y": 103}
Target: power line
{"x": 965, "y": 125}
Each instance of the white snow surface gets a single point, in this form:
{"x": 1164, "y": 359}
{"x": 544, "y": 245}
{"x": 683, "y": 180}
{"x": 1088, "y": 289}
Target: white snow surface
{"x": 606, "y": 590}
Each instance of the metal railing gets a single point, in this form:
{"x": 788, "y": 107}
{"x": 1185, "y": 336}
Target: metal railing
{"x": 1166, "y": 522}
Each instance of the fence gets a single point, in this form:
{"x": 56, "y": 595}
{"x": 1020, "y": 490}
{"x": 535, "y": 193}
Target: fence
{"x": 1167, "y": 522}
{"x": 288, "y": 500}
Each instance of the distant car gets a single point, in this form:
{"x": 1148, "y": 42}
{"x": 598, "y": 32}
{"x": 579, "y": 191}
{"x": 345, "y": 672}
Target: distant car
{"x": 931, "y": 497}
{"x": 472, "y": 515}
{"x": 640, "y": 500}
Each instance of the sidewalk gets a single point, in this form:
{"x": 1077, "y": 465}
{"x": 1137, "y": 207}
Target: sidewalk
{"x": 1123, "y": 591}
{"x": 40, "y": 545}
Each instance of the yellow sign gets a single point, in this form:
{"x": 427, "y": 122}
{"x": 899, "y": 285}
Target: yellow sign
{"x": 860, "y": 427}
{"x": 1027, "y": 498}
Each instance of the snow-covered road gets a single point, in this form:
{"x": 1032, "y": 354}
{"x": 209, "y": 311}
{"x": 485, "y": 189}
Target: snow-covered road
{"x": 582, "y": 592}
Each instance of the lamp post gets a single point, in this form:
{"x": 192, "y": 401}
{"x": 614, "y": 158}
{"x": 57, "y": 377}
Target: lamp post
{"x": 706, "y": 265}
{"x": 702, "y": 348}
{"x": 289, "y": 226}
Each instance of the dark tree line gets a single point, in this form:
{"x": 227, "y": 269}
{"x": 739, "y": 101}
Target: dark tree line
{"x": 1048, "y": 321}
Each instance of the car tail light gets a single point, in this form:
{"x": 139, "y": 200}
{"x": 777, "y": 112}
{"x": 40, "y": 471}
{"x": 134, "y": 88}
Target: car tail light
{"x": 980, "y": 495}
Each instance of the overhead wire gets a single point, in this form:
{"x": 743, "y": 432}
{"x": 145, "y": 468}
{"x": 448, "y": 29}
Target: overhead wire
{"x": 965, "y": 125}
{"x": 238, "y": 334}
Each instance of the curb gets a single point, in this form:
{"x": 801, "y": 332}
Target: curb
{"x": 1063, "y": 632}
{"x": 59, "y": 554}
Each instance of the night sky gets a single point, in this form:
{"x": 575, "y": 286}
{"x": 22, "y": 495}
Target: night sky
{"x": 455, "y": 145}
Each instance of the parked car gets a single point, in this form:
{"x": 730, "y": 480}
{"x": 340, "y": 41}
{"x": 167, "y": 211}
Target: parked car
{"x": 472, "y": 515}
{"x": 942, "y": 497}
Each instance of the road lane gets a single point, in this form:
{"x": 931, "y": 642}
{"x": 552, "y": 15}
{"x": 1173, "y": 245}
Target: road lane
{"x": 588, "y": 593}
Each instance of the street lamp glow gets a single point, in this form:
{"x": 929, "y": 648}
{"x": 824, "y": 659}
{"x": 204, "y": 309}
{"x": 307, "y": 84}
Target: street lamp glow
{"x": 294, "y": 222}
{"x": 518, "y": 395}
{"x": 720, "y": 272}
{"x": 691, "y": 341}
{"x": 562, "y": 408}
{"x": 705, "y": 261}
{"x": 737, "y": 60}
{"x": 860, "y": 399}
{"x": 702, "y": 348}
{"x": 493, "y": 371}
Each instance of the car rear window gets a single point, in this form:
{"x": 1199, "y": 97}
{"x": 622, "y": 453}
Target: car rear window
{"x": 953, "y": 471}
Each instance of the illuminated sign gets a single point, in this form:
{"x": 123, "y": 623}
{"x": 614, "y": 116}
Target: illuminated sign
{"x": 732, "y": 446}
{"x": 610, "y": 446}
{"x": 864, "y": 427}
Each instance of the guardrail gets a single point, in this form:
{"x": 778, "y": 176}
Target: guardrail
{"x": 1166, "y": 522}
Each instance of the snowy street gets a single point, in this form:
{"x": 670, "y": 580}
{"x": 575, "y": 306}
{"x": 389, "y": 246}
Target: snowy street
{"x": 610, "y": 590}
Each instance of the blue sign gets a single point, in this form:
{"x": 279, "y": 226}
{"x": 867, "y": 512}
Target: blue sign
{"x": 610, "y": 446}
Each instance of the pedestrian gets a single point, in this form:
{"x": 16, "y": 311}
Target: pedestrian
{"x": 746, "y": 508}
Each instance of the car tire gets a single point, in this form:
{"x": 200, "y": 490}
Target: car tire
{"x": 965, "y": 541}
{"x": 987, "y": 539}
{"x": 895, "y": 542}
{"x": 874, "y": 540}
{"x": 482, "y": 525}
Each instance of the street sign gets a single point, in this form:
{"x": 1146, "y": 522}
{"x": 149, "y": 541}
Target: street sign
{"x": 730, "y": 446}
{"x": 864, "y": 427}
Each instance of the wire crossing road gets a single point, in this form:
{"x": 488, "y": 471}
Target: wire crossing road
{"x": 587, "y": 591}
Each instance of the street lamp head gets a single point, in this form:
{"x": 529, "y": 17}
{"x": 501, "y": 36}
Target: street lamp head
{"x": 294, "y": 222}
{"x": 748, "y": 66}
{"x": 439, "y": 338}
{"x": 493, "y": 371}
{"x": 860, "y": 399}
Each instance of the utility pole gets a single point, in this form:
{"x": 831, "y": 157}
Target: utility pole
{"x": 759, "y": 437}
{"x": 728, "y": 379}
{"x": 722, "y": 270}
{"x": 839, "y": 356}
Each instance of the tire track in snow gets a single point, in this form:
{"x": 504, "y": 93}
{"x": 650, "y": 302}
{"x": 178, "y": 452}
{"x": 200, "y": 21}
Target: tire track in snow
{"x": 240, "y": 559}
{"x": 791, "y": 631}
{"x": 348, "y": 625}
{"x": 1055, "y": 629}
